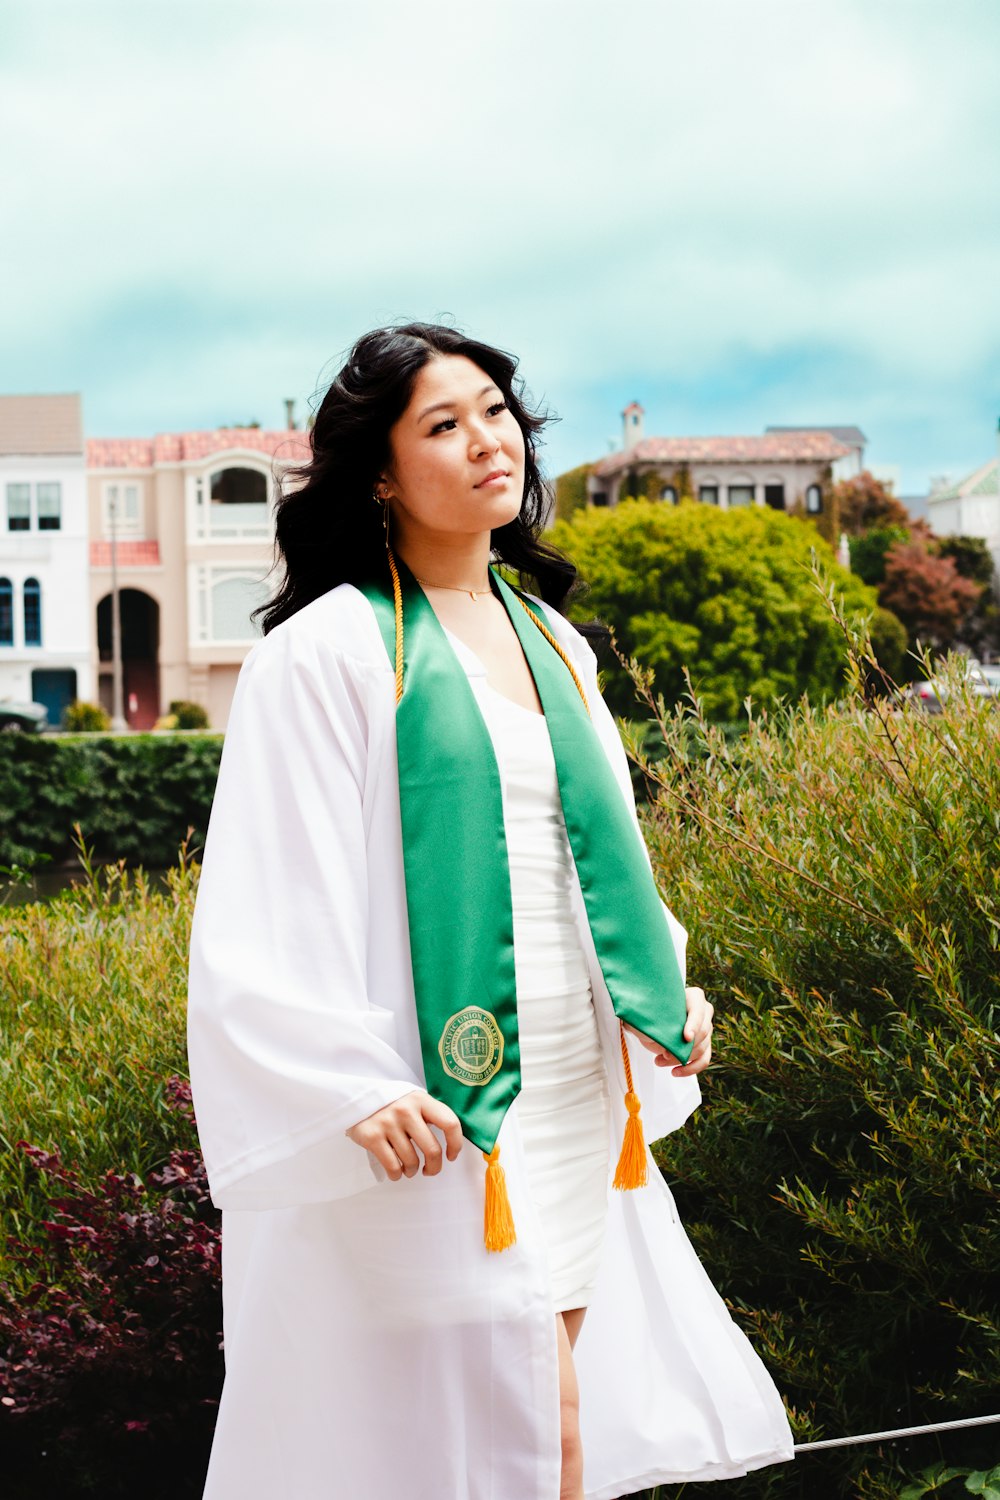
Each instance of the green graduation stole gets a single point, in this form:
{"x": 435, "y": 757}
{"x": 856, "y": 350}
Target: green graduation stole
{"x": 457, "y": 876}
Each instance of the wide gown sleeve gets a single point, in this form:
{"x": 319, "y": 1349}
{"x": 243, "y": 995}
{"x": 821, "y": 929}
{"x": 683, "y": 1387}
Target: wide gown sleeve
{"x": 287, "y": 1049}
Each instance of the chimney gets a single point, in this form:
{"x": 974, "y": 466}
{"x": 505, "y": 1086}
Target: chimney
{"x": 290, "y": 414}
{"x": 632, "y": 425}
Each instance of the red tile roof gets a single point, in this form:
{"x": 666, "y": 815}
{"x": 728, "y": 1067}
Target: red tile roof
{"x": 769, "y": 448}
{"x": 181, "y": 447}
{"x": 130, "y": 554}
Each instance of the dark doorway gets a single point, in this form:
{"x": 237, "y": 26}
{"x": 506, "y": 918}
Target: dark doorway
{"x": 140, "y": 626}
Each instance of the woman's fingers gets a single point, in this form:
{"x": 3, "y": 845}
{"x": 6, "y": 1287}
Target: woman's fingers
{"x": 446, "y": 1119}
{"x": 401, "y": 1143}
{"x": 700, "y": 1013}
{"x": 395, "y": 1134}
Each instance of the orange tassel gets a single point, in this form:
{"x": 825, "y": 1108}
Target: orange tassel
{"x": 498, "y": 1221}
{"x": 631, "y": 1171}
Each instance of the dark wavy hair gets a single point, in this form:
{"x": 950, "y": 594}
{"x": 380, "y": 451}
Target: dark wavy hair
{"x": 328, "y": 529}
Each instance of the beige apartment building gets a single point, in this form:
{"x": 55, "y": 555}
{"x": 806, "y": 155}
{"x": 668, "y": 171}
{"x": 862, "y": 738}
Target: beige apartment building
{"x": 784, "y": 467}
{"x": 191, "y": 518}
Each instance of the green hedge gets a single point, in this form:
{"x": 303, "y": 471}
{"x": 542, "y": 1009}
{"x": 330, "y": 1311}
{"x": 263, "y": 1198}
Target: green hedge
{"x": 134, "y": 796}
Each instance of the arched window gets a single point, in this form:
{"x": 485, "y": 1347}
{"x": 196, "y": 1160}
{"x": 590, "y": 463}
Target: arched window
{"x": 32, "y": 612}
{"x": 234, "y": 596}
{"x": 238, "y": 487}
{"x": 6, "y": 612}
{"x": 668, "y": 493}
{"x": 814, "y": 499}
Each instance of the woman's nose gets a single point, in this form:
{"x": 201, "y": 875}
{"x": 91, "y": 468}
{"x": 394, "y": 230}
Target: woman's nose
{"x": 485, "y": 441}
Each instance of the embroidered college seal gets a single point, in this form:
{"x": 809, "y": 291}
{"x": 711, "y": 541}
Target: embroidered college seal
{"x": 471, "y": 1045}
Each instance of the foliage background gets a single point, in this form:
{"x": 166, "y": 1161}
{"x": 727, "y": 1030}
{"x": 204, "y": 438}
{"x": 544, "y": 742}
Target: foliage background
{"x": 727, "y": 595}
{"x": 135, "y": 796}
{"x": 839, "y": 875}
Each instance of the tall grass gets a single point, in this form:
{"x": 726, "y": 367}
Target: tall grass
{"x": 92, "y": 1003}
{"x": 839, "y": 874}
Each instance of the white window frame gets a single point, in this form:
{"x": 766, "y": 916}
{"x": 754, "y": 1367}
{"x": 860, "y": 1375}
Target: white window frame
{"x": 49, "y": 484}
{"x": 201, "y": 511}
{"x": 125, "y": 525}
{"x": 204, "y": 578}
{"x": 17, "y": 484}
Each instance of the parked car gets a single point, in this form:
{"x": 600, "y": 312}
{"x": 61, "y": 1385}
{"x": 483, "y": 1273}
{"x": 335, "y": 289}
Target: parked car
{"x": 931, "y": 694}
{"x": 991, "y": 675}
{"x": 22, "y": 718}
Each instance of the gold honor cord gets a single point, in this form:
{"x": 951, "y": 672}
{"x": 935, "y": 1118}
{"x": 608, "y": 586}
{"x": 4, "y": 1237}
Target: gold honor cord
{"x": 631, "y": 1171}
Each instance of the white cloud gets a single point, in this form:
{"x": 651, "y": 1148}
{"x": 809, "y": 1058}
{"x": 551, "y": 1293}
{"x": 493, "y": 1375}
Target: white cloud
{"x": 609, "y": 190}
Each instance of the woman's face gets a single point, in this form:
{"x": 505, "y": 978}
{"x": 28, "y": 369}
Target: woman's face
{"x": 455, "y": 433}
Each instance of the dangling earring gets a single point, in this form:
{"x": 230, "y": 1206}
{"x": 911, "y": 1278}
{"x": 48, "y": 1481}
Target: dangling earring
{"x": 383, "y": 500}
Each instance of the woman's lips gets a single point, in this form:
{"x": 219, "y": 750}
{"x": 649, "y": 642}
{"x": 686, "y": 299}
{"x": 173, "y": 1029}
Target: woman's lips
{"x": 499, "y": 477}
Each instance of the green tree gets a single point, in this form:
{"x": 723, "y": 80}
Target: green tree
{"x": 973, "y": 559}
{"x": 868, "y": 551}
{"x": 726, "y": 595}
{"x": 571, "y": 491}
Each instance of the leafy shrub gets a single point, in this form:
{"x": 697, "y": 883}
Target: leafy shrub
{"x": 943, "y": 1479}
{"x": 135, "y": 796}
{"x": 80, "y": 717}
{"x": 722, "y": 595}
{"x": 839, "y": 876}
{"x": 188, "y": 715}
{"x": 111, "y": 1365}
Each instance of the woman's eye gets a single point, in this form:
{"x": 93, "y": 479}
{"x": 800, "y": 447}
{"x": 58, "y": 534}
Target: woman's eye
{"x": 440, "y": 426}
{"x": 497, "y": 406}
{"x": 447, "y": 422}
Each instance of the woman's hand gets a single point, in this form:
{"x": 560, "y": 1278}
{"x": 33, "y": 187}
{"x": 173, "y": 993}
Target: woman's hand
{"x": 394, "y": 1134}
{"x": 697, "y": 1028}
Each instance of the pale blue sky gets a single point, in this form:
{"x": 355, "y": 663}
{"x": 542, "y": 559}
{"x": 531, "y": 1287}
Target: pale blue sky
{"x": 735, "y": 211}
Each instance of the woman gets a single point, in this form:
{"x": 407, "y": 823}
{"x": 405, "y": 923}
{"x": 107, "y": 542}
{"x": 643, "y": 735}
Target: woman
{"x": 427, "y": 924}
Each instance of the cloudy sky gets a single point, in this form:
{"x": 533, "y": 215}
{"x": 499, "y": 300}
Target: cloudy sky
{"x": 734, "y": 211}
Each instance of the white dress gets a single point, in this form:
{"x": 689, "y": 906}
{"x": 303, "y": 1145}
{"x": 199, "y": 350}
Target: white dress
{"x": 563, "y": 1107}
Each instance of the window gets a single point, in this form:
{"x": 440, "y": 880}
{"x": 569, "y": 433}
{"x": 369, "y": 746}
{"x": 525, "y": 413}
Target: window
{"x": 18, "y": 507}
{"x": 238, "y": 487}
{"x": 49, "y": 506}
{"x": 708, "y": 494}
{"x": 814, "y": 499}
{"x": 6, "y": 612}
{"x": 121, "y": 507}
{"x": 774, "y": 495}
{"x": 668, "y": 492}
{"x": 231, "y": 503}
{"x": 741, "y": 494}
{"x": 599, "y": 497}
{"x": 233, "y": 596}
{"x": 32, "y": 612}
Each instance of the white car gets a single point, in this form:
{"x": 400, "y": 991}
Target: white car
{"x": 930, "y": 695}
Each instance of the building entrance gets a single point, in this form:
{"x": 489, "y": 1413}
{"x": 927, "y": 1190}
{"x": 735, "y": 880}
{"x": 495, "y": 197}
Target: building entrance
{"x": 140, "y": 630}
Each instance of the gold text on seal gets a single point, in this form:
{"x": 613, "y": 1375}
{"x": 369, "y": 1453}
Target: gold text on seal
{"x": 471, "y": 1046}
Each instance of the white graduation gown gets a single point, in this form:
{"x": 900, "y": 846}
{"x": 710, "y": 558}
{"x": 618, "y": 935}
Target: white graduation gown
{"x": 373, "y": 1347}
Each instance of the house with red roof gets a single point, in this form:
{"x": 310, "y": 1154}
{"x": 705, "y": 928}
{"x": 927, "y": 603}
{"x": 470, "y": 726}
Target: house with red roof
{"x": 784, "y": 467}
{"x": 190, "y": 517}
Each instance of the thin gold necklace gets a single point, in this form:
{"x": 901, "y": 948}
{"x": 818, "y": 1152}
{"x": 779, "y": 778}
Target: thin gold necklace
{"x": 473, "y": 593}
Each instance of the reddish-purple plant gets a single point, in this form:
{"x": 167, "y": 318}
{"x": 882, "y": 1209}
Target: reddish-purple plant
{"x": 111, "y": 1364}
